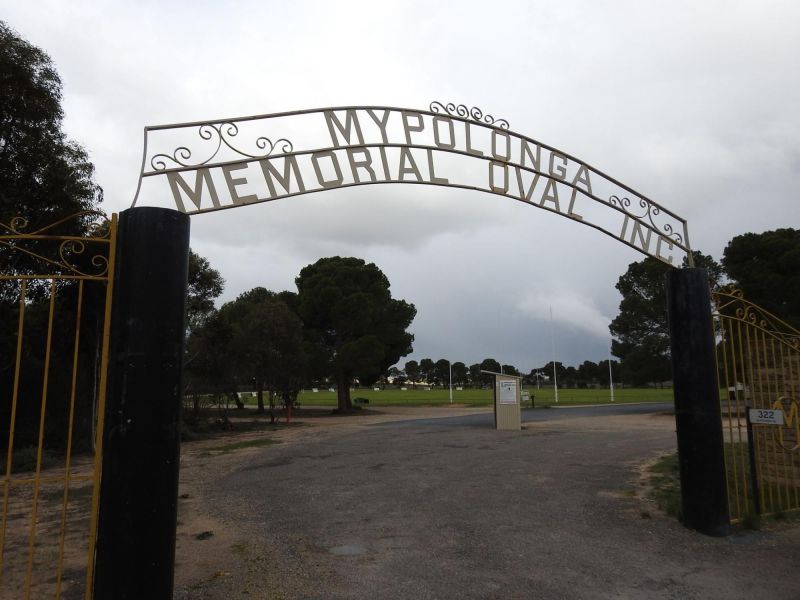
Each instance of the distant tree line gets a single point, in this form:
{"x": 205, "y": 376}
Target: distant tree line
{"x": 437, "y": 373}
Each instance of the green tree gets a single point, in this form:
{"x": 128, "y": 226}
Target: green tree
{"x": 207, "y": 365}
{"x": 602, "y": 371}
{"x": 204, "y": 286}
{"x": 441, "y": 371}
{"x": 427, "y": 370}
{"x": 210, "y": 365}
{"x": 348, "y": 309}
{"x": 44, "y": 178}
{"x": 535, "y": 377}
{"x": 489, "y": 364}
{"x": 460, "y": 373}
{"x": 43, "y": 175}
{"x": 640, "y": 337}
{"x": 475, "y": 376}
{"x": 560, "y": 372}
{"x": 412, "y": 371}
{"x": 396, "y": 375}
{"x": 766, "y": 268}
{"x": 266, "y": 343}
{"x": 588, "y": 373}
{"x": 509, "y": 370}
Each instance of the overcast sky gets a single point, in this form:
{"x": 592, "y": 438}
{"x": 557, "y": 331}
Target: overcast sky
{"x": 694, "y": 104}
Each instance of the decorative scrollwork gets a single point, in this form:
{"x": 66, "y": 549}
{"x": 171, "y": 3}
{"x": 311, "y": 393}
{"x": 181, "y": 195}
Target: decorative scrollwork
{"x": 16, "y": 226}
{"x": 651, "y": 209}
{"x": 71, "y": 248}
{"x": 474, "y": 113}
{"x": 731, "y": 304}
{"x": 219, "y": 134}
{"x": 60, "y": 252}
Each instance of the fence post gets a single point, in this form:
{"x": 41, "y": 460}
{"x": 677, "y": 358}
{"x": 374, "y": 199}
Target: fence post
{"x": 135, "y": 553}
{"x": 698, "y": 420}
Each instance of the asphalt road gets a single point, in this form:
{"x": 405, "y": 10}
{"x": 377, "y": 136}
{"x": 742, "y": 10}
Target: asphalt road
{"x": 451, "y": 508}
{"x": 532, "y": 415}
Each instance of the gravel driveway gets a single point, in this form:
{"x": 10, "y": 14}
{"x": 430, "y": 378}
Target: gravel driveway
{"x": 454, "y": 509}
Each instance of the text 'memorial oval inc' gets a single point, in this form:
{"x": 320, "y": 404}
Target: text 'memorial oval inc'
{"x": 214, "y": 165}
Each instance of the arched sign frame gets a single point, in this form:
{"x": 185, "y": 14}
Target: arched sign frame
{"x": 538, "y": 170}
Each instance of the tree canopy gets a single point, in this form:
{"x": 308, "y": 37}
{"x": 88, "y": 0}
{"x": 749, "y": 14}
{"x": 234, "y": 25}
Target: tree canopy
{"x": 766, "y": 267}
{"x": 256, "y": 341}
{"x": 348, "y": 310}
{"x": 44, "y": 178}
{"x": 640, "y": 333}
{"x": 205, "y": 285}
{"x": 43, "y": 175}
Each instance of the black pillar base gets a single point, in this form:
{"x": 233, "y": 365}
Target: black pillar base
{"x": 138, "y": 500}
{"x": 697, "y": 408}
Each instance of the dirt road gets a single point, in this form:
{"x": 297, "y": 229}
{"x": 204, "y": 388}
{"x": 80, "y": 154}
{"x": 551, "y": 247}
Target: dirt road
{"x": 363, "y": 509}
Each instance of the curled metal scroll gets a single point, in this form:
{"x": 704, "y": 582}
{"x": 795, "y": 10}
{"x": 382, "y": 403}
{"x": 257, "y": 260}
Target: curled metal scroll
{"x": 59, "y": 251}
{"x": 731, "y": 304}
{"x": 219, "y": 134}
{"x": 650, "y": 210}
{"x": 474, "y": 113}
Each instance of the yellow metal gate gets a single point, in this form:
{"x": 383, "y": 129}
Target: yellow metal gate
{"x": 55, "y": 303}
{"x": 758, "y": 359}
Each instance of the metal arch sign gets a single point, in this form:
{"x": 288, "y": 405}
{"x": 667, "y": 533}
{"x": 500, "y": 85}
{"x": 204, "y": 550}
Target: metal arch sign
{"x": 214, "y": 165}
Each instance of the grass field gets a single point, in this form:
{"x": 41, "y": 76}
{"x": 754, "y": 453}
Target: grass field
{"x": 434, "y": 397}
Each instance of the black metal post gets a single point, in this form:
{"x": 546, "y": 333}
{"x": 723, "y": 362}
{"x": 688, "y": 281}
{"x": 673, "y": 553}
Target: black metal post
{"x": 698, "y": 420}
{"x": 751, "y": 452}
{"x": 138, "y": 501}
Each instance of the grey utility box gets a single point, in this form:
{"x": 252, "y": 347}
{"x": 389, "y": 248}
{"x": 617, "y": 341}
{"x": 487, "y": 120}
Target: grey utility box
{"x": 507, "y": 401}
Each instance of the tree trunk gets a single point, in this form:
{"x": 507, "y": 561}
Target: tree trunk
{"x": 272, "y": 407}
{"x": 343, "y": 394}
{"x": 260, "y": 396}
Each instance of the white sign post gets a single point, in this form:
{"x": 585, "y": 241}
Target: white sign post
{"x": 506, "y": 401}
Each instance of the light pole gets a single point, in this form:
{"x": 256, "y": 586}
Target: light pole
{"x": 553, "y": 347}
{"x": 610, "y": 378}
{"x": 450, "y": 365}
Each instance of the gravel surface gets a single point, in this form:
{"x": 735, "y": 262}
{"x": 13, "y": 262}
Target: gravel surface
{"x": 454, "y": 509}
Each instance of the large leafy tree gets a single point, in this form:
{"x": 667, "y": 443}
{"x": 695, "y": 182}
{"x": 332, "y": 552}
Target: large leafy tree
{"x": 43, "y": 175}
{"x": 588, "y": 372}
{"x": 640, "y": 332}
{"x": 766, "y": 267}
{"x": 475, "y": 376}
{"x": 427, "y": 369}
{"x": 204, "y": 286}
{"x": 210, "y": 366}
{"x": 412, "y": 371}
{"x": 44, "y": 178}
{"x": 207, "y": 361}
{"x": 557, "y": 375}
{"x": 348, "y": 310}
{"x": 489, "y": 364}
{"x": 256, "y": 340}
{"x": 266, "y": 343}
{"x": 441, "y": 371}
{"x": 460, "y": 373}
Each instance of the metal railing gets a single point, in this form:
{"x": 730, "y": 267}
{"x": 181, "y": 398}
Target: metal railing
{"x": 758, "y": 359}
{"x": 55, "y": 299}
